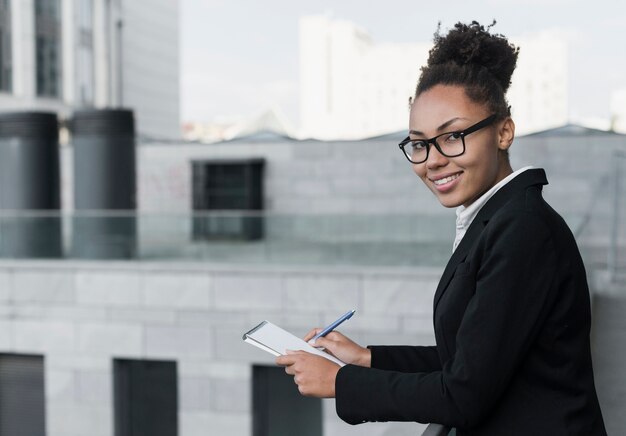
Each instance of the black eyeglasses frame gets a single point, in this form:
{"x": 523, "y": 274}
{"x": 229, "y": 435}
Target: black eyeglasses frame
{"x": 462, "y": 134}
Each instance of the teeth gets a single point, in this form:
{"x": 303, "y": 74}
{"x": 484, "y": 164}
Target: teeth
{"x": 446, "y": 180}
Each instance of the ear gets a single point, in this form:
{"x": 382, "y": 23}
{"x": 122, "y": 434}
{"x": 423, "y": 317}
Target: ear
{"x": 506, "y": 134}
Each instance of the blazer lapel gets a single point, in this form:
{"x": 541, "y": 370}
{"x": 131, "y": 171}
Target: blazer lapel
{"x": 499, "y": 199}
{"x": 458, "y": 256}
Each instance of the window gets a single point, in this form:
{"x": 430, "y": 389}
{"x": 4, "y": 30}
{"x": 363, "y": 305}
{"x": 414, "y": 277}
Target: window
{"x": 146, "y": 398}
{"x": 85, "y": 64}
{"x": 22, "y": 400}
{"x": 48, "y": 47}
{"x": 235, "y": 186}
{"x": 278, "y": 407}
{"x": 6, "y": 69}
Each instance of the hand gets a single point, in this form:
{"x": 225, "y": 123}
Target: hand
{"x": 342, "y": 347}
{"x": 314, "y": 375}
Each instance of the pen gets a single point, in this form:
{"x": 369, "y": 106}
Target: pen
{"x": 333, "y": 325}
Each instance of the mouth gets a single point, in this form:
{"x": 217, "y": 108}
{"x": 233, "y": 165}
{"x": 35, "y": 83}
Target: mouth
{"x": 446, "y": 181}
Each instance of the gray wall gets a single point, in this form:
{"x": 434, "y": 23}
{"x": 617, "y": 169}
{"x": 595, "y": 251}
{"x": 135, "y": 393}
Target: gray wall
{"x": 81, "y": 315}
{"x": 371, "y": 177}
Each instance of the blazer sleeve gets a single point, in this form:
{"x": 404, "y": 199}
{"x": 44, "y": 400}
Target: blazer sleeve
{"x": 517, "y": 270}
{"x": 405, "y": 358}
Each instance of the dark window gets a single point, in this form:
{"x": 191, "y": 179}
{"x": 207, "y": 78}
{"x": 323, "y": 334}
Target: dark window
{"x": 48, "y": 47}
{"x": 22, "y": 399}
{"x": 278, "y": 408}
{"x": 233, "y": 187}
{"x": 6, "y": 69}
{"x": 146, "y": 398}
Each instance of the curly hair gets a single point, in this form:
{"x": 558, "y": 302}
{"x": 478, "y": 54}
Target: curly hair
{"x": 471, "y": 57}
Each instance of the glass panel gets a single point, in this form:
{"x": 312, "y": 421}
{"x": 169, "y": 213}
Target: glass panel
{"x": 6, "y": 72}
{"x": 85, "y": 65}
{"x": 404, "y": 241}
{"x": 48, "y": 47}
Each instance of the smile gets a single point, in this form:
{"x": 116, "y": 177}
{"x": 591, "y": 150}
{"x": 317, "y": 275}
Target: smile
{"x": 447, "y": 179}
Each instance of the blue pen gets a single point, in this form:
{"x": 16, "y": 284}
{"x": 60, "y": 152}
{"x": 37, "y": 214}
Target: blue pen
{"x": 333, "y": 326}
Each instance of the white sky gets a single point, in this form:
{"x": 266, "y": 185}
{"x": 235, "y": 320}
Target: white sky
{"x": 239, "y": 57}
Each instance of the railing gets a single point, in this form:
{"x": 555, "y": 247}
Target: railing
{"x": 232, "y": 237}
{"x": 229, "y": 237}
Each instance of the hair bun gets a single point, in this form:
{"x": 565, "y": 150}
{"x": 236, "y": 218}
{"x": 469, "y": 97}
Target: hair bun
{"x": 472, "y": 45}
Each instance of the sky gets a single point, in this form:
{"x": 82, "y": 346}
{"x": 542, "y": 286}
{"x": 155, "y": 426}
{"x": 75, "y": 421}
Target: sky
{"x": 240, "y": 57}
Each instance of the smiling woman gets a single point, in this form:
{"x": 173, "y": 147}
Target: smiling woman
{"x": 478, "y": 162}
{"x": 511, "y": 311}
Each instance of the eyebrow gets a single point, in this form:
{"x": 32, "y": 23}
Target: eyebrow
{"x": 440, "y": 128}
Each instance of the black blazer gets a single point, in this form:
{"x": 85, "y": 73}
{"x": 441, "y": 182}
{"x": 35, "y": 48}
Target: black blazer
{"x": 512, "y": 323}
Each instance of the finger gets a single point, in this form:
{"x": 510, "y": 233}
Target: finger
{"x": 322, "y": 342}
{"x": 335, "y": 335}
{"x": 312, "y": 333}
{"x": 285, "y": 360}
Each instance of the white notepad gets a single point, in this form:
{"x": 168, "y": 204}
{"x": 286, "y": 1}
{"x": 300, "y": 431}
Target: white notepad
{"x": 276, "y": 341}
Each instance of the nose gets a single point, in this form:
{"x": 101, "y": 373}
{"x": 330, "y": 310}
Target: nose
{"x": 435, "y": 158}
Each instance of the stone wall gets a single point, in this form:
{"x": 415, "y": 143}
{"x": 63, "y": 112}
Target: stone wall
{"x": 82, "y": 315}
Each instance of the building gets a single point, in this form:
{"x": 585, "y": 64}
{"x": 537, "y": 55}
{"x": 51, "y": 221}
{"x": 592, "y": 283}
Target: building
{"x": 539, "y": 87}
{"x": 352, "y": 87}
{"x": 345, "y": 224}
{"x": 271, "y": 120}
{"x": 62, "y": 55}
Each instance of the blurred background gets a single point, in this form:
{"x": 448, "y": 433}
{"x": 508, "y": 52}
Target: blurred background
{"x": 173, "y": 173}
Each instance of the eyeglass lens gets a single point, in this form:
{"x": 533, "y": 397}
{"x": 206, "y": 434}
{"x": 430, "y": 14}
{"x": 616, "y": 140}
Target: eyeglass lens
{"x": 450, "y": 144}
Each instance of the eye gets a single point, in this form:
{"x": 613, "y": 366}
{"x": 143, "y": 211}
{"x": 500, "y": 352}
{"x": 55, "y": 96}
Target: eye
{"x": 453, "y": 137}
{"x": 418, "y": 145}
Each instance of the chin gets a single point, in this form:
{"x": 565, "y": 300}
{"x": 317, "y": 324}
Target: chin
{"x": 449, "y": 202}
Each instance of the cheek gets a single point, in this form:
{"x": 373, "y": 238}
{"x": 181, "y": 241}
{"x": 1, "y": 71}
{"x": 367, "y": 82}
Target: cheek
{"x": 420, "y": 170}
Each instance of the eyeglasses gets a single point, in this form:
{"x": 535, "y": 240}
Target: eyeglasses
{"x": 450, "y": 144}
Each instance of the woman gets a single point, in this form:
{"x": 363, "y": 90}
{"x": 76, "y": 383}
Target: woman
{"x": 511, "y": 312}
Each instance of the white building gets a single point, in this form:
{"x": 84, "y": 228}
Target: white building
{"x": 539, "y": 90}
{"x": 352, "y": 87}
{"x": 61, "y": 55}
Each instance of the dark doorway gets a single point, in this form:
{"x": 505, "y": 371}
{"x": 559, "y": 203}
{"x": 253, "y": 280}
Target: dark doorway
{"x": 22, "y": 399}
{"x": 146, "y": 398}
{"x": 279, "y": 409}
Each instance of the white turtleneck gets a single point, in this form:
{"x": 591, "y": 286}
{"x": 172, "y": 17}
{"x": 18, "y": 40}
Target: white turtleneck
{"x": 465, "y": 215}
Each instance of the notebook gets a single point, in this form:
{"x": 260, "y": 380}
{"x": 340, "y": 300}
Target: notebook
{"x": 276, "y": 341}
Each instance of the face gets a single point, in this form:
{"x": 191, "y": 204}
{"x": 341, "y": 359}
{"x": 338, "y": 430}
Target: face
{"x": 460, "y": 180}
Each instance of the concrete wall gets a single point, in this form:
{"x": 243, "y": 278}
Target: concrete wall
{"x": 81, "y": 316}
{"x": 371, "y": 178}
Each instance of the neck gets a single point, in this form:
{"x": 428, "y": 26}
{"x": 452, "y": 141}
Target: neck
{"x": 504, "y": 171}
